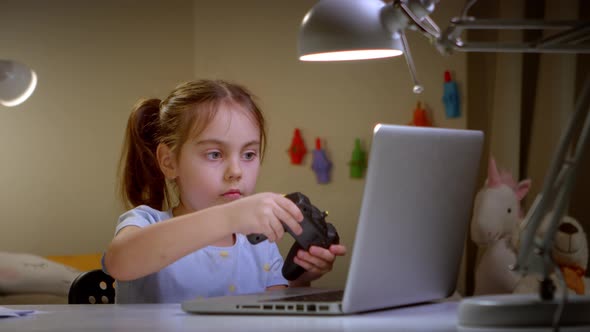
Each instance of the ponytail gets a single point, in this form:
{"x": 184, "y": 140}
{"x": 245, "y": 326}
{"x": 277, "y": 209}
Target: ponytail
{"x": 141, "y": 180}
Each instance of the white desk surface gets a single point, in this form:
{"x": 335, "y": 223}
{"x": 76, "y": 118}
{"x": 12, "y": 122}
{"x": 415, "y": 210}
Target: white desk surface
{"x": 437, "y": 317}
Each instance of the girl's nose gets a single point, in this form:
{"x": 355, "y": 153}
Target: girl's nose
{"x": 233, "y": 171}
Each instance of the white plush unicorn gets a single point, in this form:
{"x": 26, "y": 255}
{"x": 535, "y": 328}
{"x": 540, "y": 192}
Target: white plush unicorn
{"x": 495, "y": 228}
{"x": 497, "y": 215}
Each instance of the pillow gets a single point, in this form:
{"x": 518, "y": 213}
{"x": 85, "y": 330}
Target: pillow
{"x": 25, "y": 273}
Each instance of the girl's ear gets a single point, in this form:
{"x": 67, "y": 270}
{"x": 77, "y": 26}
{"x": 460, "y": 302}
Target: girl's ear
{"x": 166, "y": 161}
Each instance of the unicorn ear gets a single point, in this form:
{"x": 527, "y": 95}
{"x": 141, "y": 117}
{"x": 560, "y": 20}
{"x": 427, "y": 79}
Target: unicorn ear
{"x": 523, "y": 188}
{"x": 493, "y": 175}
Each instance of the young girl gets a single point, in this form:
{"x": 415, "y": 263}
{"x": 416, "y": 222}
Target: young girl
{"x": 204, "y": 142}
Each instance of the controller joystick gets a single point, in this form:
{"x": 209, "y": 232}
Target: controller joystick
{"x": 316, "y": 231}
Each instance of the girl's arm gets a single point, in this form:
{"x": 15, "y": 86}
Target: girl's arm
{"x": 136, "y": 252}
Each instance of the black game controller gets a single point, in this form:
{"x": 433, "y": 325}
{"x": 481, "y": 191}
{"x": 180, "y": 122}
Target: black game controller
{"x": 316, "y": 231}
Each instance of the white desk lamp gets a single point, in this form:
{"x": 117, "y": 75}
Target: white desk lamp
{"x": 336, "y": 30}
{"x": 17, "y": 83}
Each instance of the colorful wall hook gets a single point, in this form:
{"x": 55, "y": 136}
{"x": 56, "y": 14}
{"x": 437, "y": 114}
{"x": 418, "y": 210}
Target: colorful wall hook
{"x": 321, "y": 165}
{"x": 297, "y": 149}
{"x": 419, "y": 117}
{"x": 358, "y": 161}
{"x": 451, "y": 97}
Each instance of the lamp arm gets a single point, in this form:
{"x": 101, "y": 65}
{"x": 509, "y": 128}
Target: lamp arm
{"x": 466, "y": 8}
{"x": 573, "y": 35}
{"x": 432, "y": 25}
{"x": 571, "y": 165}
{"x": 567, "y": 41}
{"x": 431, "y": 30}
{"x": 418, "y": 88}
{"x": 555, "y": 192}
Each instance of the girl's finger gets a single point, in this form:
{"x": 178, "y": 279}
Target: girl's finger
{"x": 291, "y": 215}
{"x": 276, "y": 226}
{"x": 319, "y": 263}
{"x": 269, "y": 230}
{"x": 338, "y": 250}
{"x": 322, "y": 253}
{"x": 305, "y": 265}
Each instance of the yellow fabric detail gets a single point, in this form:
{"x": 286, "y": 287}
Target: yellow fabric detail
{"x": 85, "y": 262}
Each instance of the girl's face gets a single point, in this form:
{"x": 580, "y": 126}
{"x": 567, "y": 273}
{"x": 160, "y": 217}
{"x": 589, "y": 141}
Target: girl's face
{"x": 222, "y": 163}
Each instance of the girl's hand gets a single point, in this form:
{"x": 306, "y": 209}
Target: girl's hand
{"x": 317, "y": 262}
{"x": 264, "y": 213}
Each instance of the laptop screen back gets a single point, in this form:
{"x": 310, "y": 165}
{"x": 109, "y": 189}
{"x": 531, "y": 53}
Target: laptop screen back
{"x": 414, "y": 216}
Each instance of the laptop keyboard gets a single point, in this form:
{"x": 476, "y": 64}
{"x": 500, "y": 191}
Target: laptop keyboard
{"x": 333, "y": 296}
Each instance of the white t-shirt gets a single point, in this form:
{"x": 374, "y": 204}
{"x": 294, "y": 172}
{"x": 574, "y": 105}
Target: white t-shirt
{"x": 211, "y": 271}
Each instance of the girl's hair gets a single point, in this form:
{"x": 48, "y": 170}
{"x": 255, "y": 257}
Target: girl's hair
{"x": 185, "y": 113}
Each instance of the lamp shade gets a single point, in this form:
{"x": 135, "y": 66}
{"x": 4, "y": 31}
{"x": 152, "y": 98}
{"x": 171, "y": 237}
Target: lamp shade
{"x": 17, "y": 82}
{"x": 346, "y": 30}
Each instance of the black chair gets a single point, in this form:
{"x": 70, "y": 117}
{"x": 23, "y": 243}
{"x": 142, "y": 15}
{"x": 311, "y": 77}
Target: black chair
{"x": 92, "y": 287}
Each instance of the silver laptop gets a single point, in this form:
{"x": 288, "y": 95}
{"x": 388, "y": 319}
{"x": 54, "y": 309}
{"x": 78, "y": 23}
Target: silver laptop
{"x": 411, "y": 231}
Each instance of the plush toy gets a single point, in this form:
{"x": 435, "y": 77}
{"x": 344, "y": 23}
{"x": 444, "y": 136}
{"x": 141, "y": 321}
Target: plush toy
{"x": 570, "y": 254}
{"x": 496, "y": 229}
{"x": 496, "y": 219}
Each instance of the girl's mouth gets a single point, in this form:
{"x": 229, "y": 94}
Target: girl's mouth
{"x": 232, "y": 194}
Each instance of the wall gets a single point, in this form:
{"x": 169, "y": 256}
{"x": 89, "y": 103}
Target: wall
{"x": 95, "y": 59}
{"x": 61, "y": 147}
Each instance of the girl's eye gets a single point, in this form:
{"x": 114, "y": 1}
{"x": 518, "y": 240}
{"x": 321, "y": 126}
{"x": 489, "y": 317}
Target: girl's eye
{"x": 214, "y": 155}
{"x": 249, "y": 155}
